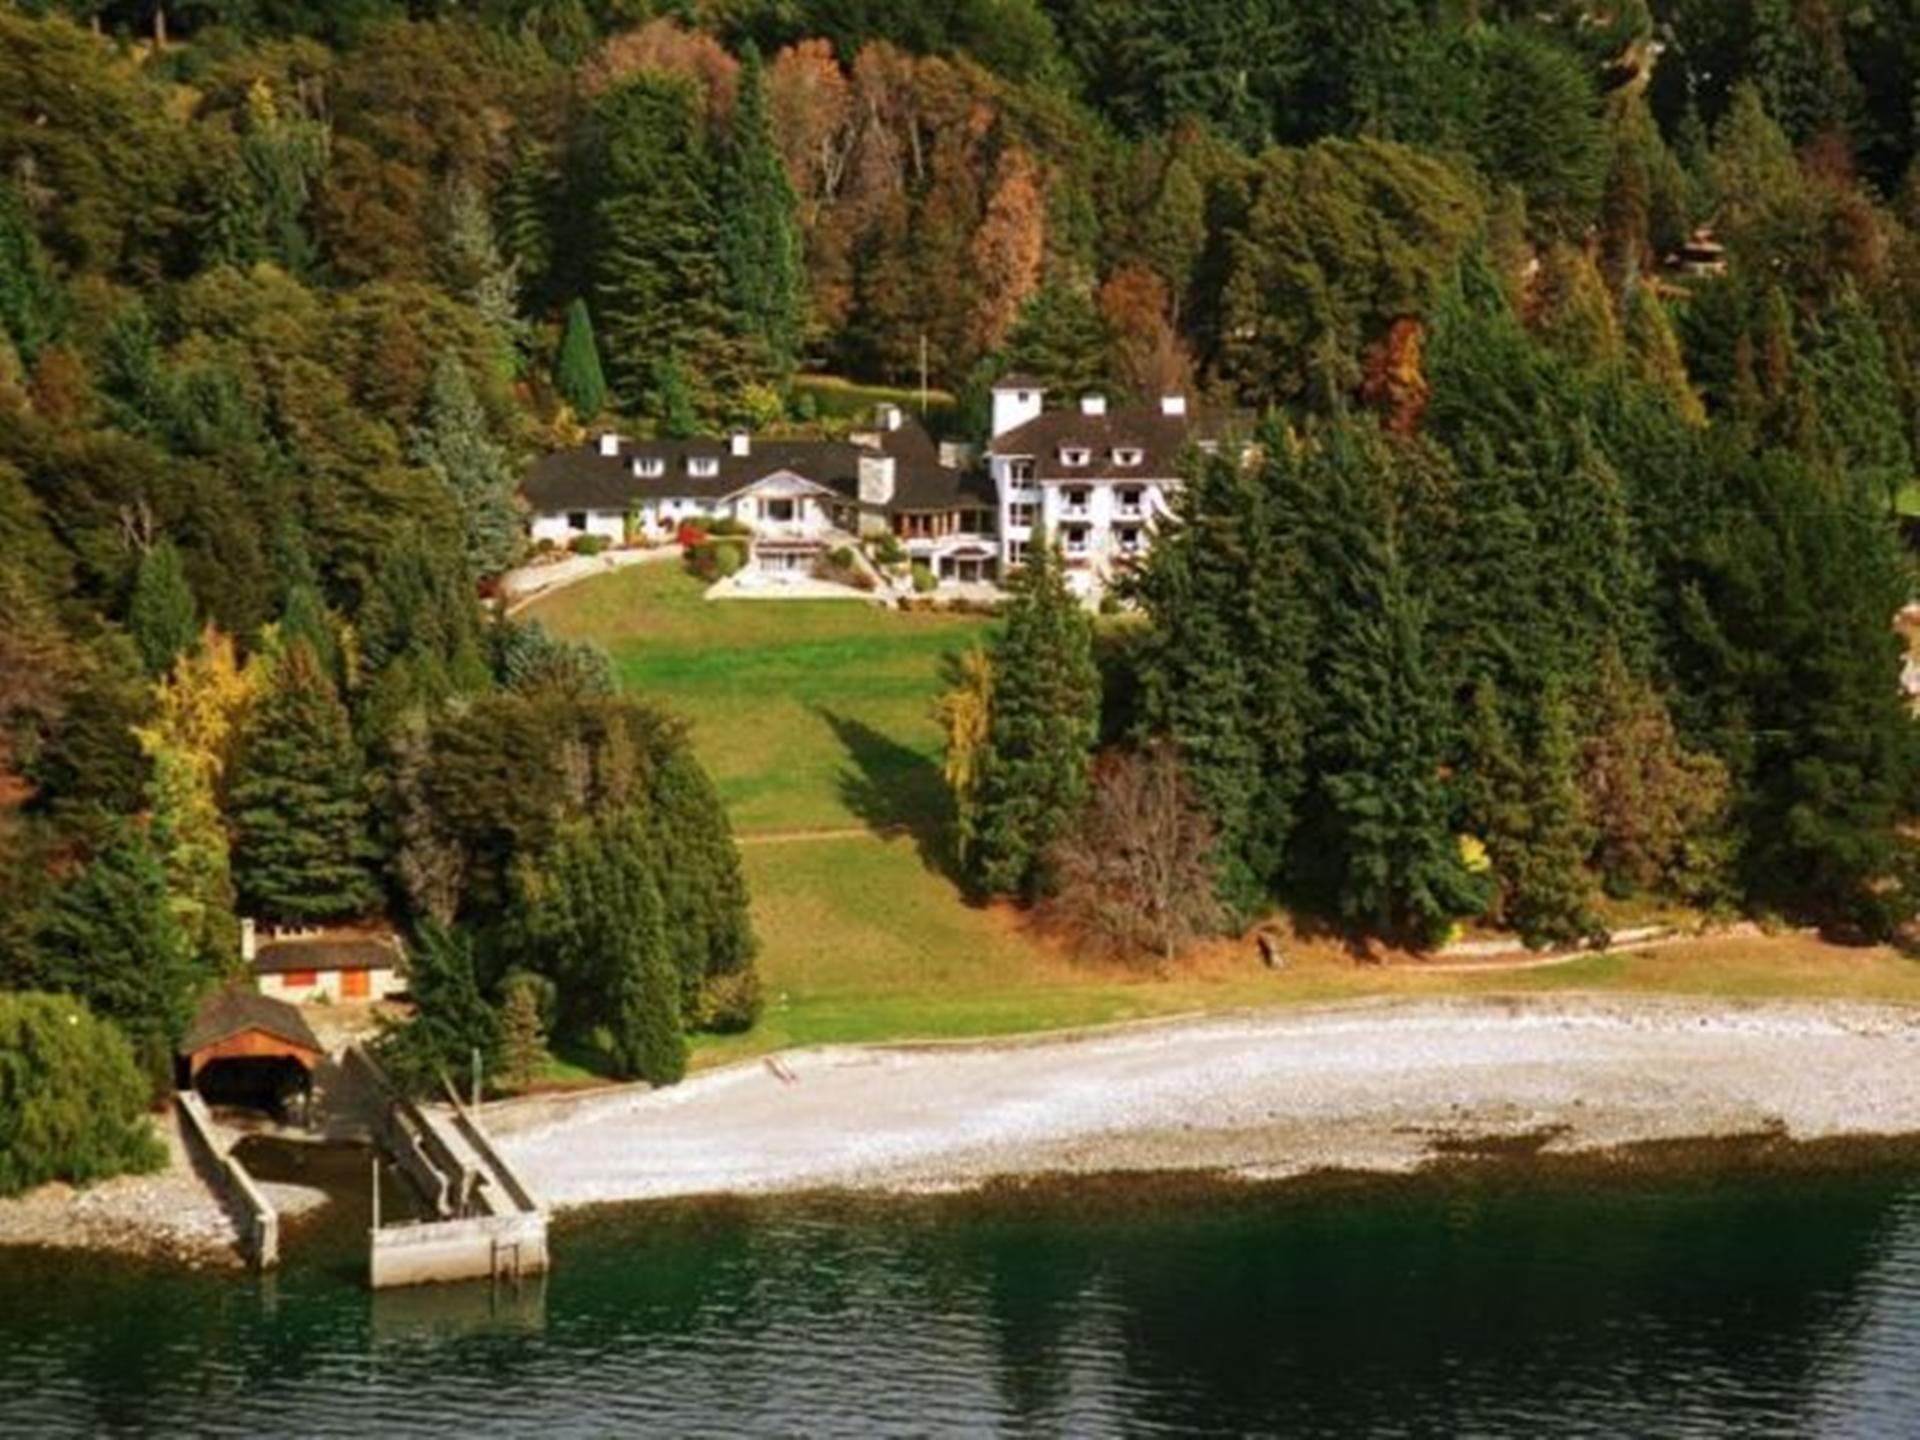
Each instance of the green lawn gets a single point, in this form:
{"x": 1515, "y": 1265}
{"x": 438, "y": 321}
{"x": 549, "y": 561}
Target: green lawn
{"x": 809, "y": 714}
{"x": 818, "y": 716}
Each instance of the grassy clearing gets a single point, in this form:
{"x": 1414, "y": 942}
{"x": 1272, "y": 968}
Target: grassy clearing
{"x": 810, "y": 714}
{"x": 850, "y": 400}
{"x": 818, "y": 715}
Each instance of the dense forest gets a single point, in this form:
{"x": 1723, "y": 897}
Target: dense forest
{"x": 1586, "y": 339}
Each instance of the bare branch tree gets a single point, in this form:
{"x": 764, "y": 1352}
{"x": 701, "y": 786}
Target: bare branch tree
{"x": 1137, "y": 875}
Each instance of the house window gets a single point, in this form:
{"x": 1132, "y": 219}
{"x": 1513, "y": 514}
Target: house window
{"x": 1020, "y": 513}
{"x": 1020, "y": 472}
{"x": 1128, "y": 457}
{"x": 780, "y": 510}
{"x": 576, "y": 520}
{"x": 1076, "y": 500}
{"x": 1077, "y": 456}
{"x": 1016, "y": 552}
{"x": 1075, "y": 539}
{"x": 649, "y": 466}
{"x": 300, "y": 979}
{"x": 1128, "y": 501}
{"x": 1126, "y": 540}
{"x": 703, "y": 465}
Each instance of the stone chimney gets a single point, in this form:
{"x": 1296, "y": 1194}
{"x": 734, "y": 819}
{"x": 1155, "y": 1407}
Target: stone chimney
{"x": 890, "y": 417}
{"x": 1093, "y": 404}
{"x": 876, "y": 480}
{"x": 1173, "y": 405}
{"x": 1015, "y": 402}
{"x": 740, "y": 443}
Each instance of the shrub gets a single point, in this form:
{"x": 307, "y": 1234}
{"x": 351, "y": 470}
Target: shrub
{"x": 72, "y": 1101}
{"x": 692, "y": 531}
{"x": 591, "y": 544}
{"x": 731, "y": 1003}
{"x": 841, "y": 557}
{"x": 888, "y": 550}
{"x": 728, "y": 525}
{"x": 924, "y": 582}
{"x": 729, "y": 560}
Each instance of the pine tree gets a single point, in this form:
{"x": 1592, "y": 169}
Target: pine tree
{"x": 301, "y": 845}
{"x": 576, "y": 370}
{"x": 190, "y": 837}
{"x": 472, "y": 266}
{"x": 966, "y": 712}
{"x": 163, "y": 615}
{"x": 760, "y": 243}
{"x": 660, "y": 284}
{"x": 451, "y": 1018}
{"x": 701, "y": 884}
{"x": 29, "y": 299}
{"x": 110, "y": 937}
{"x": 1223, "y": 669}
{"x": 1058, "y": 339}
{"x": 1550, "y": 888}
{"x": 1045, "y": 719}
{"x": 523, "y": 1031}
{"x": 453, "y": 441}
{"x": 593, "y": 918}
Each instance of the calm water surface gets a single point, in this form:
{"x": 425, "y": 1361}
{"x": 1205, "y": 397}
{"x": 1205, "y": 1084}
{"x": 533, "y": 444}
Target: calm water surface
{"x": 1736, "y": 1305}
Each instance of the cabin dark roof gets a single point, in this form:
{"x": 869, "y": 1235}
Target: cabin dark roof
{"x": 584, "y": 479}
{"x": 325, "y": 952}
{"x": 1019, "y": 381}
{"x": 236, "y": 1010}
{"x": 1161, "y": 438}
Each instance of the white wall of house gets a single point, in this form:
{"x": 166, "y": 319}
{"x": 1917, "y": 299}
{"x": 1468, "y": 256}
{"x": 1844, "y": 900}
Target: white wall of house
{"x": 564, "y": 526}
{"x": 327, "y": 985}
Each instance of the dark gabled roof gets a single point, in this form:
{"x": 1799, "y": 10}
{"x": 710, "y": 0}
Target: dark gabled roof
{"x": 1161, "y": 438}
{"x": 325, "y": 952}
{"x": 921, "y": 482}
{"x": 584, "y": 479}
{"x": 1019, "y": 381}
{"x": 236, "y": 1010}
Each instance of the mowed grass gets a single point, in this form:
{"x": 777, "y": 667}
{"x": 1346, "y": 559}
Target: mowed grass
{"x": 809, "y": 714}
{"x": 817, "y": 716}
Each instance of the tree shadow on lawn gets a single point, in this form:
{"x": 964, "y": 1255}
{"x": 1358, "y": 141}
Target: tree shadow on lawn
{"x": 891, "y": 786}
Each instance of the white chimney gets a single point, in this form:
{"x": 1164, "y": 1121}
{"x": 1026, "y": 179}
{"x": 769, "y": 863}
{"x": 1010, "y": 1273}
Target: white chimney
{"x": 1173, "y": 404}
{"x": 1093, "y": 404}
{"x": 876, "y": 479}
{"x": 1015, "y": 402}
{"x": 609, "y": 443}
{"x": 249, "y": 941}
{"x": 740, "y": 443}
{"x": 890, "y": 417}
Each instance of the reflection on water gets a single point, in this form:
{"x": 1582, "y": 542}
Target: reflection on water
{"x": 1747, "y": 1304}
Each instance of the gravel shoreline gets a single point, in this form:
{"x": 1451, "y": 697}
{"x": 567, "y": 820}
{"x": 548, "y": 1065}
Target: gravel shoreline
{"x": 1381, "y": 1086}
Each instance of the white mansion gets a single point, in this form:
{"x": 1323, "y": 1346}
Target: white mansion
{"x": 1096, "y": 479}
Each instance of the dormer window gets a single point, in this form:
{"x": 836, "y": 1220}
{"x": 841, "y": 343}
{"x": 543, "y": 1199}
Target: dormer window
{"x": 1129, "y": 457}
{"x": 1077, "y": 456}
{"x": 648, "y": 467}
{"x": 703, "y": 466}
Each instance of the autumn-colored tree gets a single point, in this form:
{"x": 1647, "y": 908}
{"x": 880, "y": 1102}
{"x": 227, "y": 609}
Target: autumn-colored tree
{"x": 1148, "y": 357}
{"x": 1008, "y": 247}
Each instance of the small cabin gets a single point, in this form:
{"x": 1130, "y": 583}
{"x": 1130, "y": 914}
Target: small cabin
{"x": 311, "y": 965}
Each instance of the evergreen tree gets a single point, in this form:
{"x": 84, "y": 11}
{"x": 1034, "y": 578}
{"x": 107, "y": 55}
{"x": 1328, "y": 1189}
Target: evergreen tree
{"x": 576, "y": 370}
{"x": 111, "y": 938}
{"x": 189, "y": 835}
{"x": 472, "y": 266}
{"x": 660, "y": 283}
{"x": 1786, "y": 643}
{"x": 163, "y": 616}
{"x": 73, "y": 1104}
{"x": 1540, "y": 128}
{"x": 760, "y": 242}
{"x": 451, "y": 1018}
{"x": 523, "y": 1029}
{"x": 1059, "y": 340}
{"x": 1861, "y": 426}
{"x": 593, "y": 918}
{"x": 1045, "y": 719}
{"x": 301, "y": 845}
{"x": 1223, "y": 669}
{"x": 454, "y": 442}
{"x": 29, "y": 299}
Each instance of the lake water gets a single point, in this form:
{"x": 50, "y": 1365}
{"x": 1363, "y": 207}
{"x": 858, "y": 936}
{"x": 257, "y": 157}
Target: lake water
{"x": 1491, "y": 1305}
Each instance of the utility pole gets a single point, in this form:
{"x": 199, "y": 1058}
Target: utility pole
{"x": 923, "y": 374}
{"x": 476, "y": 1079}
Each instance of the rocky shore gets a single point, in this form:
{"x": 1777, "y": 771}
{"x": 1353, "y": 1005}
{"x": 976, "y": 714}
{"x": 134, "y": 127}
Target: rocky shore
{"x": 1386, "y": 1087}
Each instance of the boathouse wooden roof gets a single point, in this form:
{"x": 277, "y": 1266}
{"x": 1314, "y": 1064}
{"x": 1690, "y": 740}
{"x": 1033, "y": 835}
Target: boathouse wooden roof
{"x": 237, "y": 1023}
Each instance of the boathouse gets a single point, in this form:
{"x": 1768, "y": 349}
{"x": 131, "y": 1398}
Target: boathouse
{"x": 248, "y": 1049}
